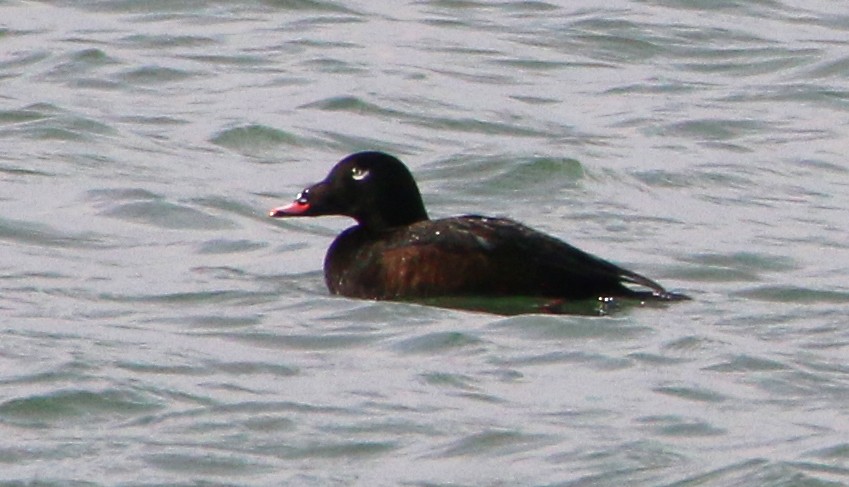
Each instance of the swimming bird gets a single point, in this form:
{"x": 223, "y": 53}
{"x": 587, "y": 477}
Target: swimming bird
{"x": 396, "y": 252}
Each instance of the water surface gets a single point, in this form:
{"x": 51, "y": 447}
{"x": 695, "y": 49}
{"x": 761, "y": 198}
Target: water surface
{"x": 159, "y": 329}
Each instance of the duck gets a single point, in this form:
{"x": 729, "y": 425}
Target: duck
{"x": 395, "y": 251}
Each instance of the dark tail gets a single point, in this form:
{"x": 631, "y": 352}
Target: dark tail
{"x": 659, "y": 295}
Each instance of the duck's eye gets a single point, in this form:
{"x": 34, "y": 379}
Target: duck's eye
{"x": 358, "y": 173}
{"x": 303, "y": 197}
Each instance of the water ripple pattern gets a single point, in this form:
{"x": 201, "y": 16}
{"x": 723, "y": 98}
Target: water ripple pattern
{"x": 159, "y": 329}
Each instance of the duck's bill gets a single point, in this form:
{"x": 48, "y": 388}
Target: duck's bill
{"x": 295, "y": 208}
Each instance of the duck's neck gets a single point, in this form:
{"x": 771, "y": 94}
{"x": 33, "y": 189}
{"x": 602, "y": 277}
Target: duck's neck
{"x": 380, "y": 225}
{"x": 399, "y": 215}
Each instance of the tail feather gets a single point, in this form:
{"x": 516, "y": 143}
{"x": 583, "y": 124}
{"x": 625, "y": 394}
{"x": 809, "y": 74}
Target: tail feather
{"x": 660, "y": 295}
{"x": 657, "y": 293}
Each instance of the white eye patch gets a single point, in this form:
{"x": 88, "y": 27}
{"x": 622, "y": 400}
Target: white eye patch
{"x": 358, "y": 173}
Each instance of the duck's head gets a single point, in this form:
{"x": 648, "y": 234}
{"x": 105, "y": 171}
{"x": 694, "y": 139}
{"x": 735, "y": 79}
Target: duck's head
{"x": 374, "y": 188}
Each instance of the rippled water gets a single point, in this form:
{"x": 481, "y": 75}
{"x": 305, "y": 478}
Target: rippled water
{"x": 159, "y": 329}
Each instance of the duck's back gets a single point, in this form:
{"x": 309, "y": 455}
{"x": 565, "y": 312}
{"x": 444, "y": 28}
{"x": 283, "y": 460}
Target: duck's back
{"x": 470, "y": 256}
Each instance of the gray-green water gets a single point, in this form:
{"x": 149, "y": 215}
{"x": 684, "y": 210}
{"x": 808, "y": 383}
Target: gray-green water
{"x": 159, "y": 329}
